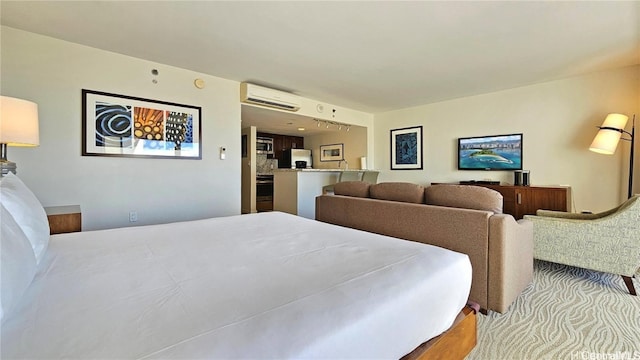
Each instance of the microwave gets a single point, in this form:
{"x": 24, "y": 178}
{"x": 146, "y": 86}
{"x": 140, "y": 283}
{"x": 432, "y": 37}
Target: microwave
{"x": 264, "y": 146}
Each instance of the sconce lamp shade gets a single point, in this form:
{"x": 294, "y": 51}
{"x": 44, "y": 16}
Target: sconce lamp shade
{"x": 18, "y": 122}
{"x": 607, "y": 139}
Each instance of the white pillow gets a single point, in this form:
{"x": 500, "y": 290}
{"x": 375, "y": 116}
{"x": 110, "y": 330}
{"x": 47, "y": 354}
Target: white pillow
{"x": 27, "y": 211}
{"x": 17, "y": 263}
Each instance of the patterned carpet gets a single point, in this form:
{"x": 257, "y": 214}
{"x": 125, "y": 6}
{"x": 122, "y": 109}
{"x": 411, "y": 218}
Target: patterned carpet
{"x": 567, "y": 313}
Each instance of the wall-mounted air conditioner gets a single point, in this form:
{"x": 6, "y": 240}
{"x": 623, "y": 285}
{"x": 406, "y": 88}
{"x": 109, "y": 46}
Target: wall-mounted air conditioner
{"x": 254, "y": 94}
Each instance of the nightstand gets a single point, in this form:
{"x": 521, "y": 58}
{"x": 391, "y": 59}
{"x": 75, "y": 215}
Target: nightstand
{"x": 64, "y": 219}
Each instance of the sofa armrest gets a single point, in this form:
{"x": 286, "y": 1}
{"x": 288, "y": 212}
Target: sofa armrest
{"x": 510, "y": 259}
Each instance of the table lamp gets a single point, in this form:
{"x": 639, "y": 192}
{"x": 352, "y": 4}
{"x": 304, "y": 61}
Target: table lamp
{"x": 18, "y": 127}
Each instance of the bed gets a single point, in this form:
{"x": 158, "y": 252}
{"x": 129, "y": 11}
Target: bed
{"x": 268, "y": 285}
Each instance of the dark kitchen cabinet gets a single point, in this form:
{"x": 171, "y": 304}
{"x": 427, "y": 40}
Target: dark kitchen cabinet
{"x": 278, "y": 145}
{"x": 293, "y": 142}
{"x": 281, "y": 143}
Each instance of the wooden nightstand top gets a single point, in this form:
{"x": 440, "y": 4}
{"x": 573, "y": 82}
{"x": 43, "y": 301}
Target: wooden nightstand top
{"x": 62, "y": 210}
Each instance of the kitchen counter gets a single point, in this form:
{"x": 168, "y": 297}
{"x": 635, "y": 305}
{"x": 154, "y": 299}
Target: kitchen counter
{"x": 295, "y": 190}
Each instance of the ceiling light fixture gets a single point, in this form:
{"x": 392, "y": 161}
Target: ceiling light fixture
{"x": 329, "y": 123}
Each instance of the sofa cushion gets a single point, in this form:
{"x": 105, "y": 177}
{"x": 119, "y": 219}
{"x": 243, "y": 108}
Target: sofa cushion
{"x": 352, "y": 188}
{"x": 464, "y": 196}
{"x": 398, "y": 191}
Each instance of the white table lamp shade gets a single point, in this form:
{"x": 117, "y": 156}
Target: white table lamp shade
{"x": 18, "y": 122}
{"x": 607, "y": 139}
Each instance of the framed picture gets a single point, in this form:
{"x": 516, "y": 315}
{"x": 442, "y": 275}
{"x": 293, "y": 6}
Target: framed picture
{"x": 406, "y": 148}
{"x": 118, "y": 125}
{"x": 333, "y": 152}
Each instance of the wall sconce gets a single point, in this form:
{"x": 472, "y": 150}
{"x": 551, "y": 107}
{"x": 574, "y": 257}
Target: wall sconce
{"x": 607, "y": 138}
{"x": 18, "y": 127}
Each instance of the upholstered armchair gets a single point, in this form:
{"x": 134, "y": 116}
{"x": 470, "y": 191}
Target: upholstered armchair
{"x": 607, "y": 241}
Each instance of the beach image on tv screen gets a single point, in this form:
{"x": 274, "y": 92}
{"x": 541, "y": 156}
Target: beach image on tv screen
{"x": 503, "y": 152}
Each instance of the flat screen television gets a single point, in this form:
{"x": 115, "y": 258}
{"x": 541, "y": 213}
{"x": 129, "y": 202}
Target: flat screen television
{"x": 496, "y": 152}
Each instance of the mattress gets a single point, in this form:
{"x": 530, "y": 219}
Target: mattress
{"x": 268, "y": 285}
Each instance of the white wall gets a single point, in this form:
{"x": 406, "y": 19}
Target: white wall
{"x": 558, "y": 120}
{"x": 52, "y": 73}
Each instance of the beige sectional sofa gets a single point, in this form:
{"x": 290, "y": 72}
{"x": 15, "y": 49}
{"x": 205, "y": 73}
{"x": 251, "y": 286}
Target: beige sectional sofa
{"x": 463, "y": 218}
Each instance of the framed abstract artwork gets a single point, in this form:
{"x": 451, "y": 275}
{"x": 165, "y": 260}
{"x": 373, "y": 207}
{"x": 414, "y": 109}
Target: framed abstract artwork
{"x": 406, "y": 148}
{"x": 333, "y": 152}
{"x": 127, "y": 126}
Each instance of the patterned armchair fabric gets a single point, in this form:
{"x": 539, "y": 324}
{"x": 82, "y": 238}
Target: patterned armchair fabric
{"x": 608, "y": 241}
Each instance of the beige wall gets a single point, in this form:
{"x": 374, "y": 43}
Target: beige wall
{"x": 558, "y": 120}
{"x": 52, "y": 73}
{"x": 355, "y": 146}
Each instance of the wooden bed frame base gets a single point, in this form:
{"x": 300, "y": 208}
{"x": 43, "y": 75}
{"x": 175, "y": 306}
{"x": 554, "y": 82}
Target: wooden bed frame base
{"x": 455, "y": 343}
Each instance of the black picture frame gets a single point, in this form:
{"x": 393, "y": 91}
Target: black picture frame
{"x": 127, "y": 126}
{"x": 406, "y": 148}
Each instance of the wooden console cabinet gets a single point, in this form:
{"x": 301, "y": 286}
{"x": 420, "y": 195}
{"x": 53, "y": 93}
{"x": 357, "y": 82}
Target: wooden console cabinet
{"x": 526, "y": 200}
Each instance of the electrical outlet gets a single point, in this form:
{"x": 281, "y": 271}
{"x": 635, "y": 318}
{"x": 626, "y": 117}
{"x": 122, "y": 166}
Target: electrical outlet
{"x": 133, "y": 216}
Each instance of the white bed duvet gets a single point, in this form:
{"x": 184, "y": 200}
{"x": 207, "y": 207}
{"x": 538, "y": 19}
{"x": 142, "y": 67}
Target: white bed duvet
{"x": 268, "y": 285}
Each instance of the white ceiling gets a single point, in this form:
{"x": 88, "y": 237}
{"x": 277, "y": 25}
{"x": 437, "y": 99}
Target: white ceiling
{"x": 369, "y": 56}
